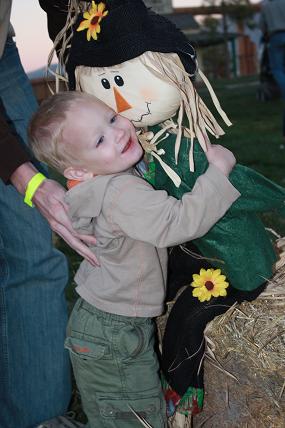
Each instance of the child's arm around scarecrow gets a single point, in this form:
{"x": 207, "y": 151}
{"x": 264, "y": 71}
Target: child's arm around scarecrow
{"x": 152, "y": 216}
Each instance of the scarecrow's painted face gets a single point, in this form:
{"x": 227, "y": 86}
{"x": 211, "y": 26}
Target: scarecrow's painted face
{"x": 132, "y": 90}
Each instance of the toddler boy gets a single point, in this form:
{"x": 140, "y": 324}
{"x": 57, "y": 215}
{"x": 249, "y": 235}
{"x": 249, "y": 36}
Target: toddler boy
{"x": 111, "y": 331}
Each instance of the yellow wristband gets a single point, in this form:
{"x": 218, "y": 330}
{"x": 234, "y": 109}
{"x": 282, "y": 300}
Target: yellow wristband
{"x": 32, "y": 187}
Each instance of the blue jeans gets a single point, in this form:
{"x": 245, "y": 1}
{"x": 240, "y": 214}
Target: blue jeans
{"x": 34, "y": 367}
{"x": 277, "y": 64}
{"x": 277, "y": 59}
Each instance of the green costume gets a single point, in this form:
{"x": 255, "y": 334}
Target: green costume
{"x": 239, "y": 240}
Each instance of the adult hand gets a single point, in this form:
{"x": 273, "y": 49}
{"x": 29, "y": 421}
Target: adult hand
{"x": 49, "y": 199}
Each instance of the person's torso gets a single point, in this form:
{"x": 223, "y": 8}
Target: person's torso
{"x": 274, "y": 14}
{"x": 131, "y": 280}
{"x": 5, "y": 26}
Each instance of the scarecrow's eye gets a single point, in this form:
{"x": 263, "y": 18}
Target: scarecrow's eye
{"x": 106, "y": 83}
{"x": 119, "y": 80}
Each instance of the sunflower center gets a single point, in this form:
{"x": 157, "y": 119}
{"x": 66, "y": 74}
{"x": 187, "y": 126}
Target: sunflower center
{"x": 95, "y": 20}
{"x": 209, "y": 285}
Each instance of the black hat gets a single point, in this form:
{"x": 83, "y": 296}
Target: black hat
{"x": 127, "y": 31}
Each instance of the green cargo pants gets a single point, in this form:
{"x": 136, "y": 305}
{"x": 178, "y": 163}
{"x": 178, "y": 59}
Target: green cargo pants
{"x": 115, "y": 367}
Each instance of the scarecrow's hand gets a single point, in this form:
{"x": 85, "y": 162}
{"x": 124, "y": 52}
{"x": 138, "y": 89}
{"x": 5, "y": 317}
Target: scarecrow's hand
{"x": 221, "y": 158}
{"x": 49, "y": 199}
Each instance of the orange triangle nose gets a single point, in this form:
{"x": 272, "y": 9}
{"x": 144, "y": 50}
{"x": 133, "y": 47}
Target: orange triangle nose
{"x": 121, "y": 103}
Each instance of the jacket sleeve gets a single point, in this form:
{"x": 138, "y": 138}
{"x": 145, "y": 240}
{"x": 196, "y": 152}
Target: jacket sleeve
{"x": 12, "y": 153}
{"x": 149, "y": 215}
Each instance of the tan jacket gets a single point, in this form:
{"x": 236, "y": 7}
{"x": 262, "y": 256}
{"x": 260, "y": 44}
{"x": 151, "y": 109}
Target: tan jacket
{"x": 5, "y": 26}
{"x": 134, "y": 224}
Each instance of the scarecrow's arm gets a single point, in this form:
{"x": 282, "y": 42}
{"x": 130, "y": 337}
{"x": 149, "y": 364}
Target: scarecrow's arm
{"x": 258, "y": 193}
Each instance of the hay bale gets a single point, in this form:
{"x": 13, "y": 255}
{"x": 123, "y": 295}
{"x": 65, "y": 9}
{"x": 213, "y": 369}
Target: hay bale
{"x": 245, "y": 367}
{"x": 245, "y": 362}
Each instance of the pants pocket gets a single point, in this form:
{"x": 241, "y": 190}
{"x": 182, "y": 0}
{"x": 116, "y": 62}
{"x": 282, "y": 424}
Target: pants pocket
{"x": 116, "y": 412}
{"x": 137, "y": 359}
{"x": 85, "y": 350}
{"x": 90, "y": 364}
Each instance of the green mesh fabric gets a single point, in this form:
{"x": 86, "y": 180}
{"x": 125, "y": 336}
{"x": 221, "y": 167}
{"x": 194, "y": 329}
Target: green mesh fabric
{"x": 239, "y": 240}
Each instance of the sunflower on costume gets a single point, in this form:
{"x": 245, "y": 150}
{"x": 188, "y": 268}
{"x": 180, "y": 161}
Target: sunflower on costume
{"x": 93, "y": 17}
{"x": 209, "y": 283}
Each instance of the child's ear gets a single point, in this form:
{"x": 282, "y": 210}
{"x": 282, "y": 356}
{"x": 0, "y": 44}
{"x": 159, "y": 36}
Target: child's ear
{"x": 79, "y": 174}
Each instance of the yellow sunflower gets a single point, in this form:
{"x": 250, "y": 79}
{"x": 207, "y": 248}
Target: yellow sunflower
{"x": 209, "y": 283}
{"x": 93, "y": 17}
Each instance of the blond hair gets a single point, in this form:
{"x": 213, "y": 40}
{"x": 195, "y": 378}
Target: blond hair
{"x": 45, "y": 130}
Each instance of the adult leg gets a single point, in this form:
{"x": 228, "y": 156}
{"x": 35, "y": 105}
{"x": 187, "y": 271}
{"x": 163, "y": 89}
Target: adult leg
{"x": 283, "y": 125}
{"x": 277, "y": 59}
{"x": 34, "y": 367}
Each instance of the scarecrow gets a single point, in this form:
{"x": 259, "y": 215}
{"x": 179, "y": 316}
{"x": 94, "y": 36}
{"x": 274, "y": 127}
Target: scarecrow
{"x": 143, "y": 67}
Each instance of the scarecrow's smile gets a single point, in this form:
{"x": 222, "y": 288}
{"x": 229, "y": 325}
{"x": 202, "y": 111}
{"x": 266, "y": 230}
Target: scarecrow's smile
{"x": 135, "y": 122}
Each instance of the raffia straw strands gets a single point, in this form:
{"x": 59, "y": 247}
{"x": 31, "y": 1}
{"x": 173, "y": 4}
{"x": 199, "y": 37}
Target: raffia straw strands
{"x": 276, "y": 288}
{"x": 201, "y": 121}
{"x": 62, "y": 40}
{"x": 199, "y": 256}
{"x": 282, "y": 390}
{"x": 179, "y": 421}
{"x": 203, "y": 424}
{"x": 254, "y": 335}
{"x": 248, "y": 340}
{"x": 62, "y": 44}
{"x": 215, "y": 99}
{"x": 149, "y": 142}
{"x": 141, "y": 419}
{"x": 178, "y": 138}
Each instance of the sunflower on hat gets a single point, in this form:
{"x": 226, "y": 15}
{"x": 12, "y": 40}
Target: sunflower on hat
{"x": 209, "y": 283}
{"x": 93, "y": 17}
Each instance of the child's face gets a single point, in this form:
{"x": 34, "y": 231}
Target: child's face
{"x": 101, "y": 140}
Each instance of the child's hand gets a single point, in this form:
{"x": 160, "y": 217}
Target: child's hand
{"x": 221, "y": 157}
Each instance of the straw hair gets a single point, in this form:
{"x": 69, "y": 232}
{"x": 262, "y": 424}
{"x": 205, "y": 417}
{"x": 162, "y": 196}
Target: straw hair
{"x": 168, "y": 67}
{"x": 45, "y": 130}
